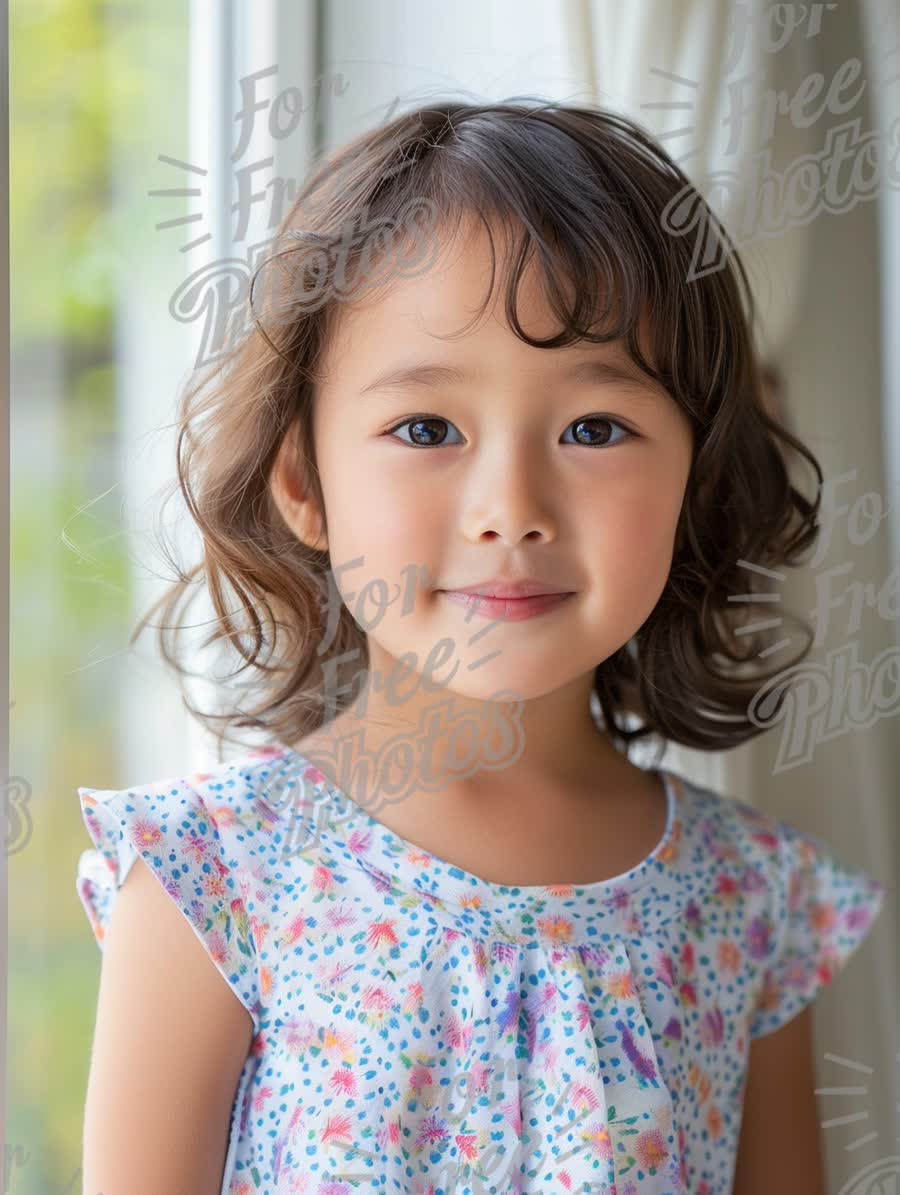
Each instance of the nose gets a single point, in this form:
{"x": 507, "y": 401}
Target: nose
{"x": 509, "y": 503}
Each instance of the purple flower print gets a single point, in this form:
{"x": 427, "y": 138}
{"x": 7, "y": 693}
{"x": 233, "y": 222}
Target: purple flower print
{"x": 759, "y": 933}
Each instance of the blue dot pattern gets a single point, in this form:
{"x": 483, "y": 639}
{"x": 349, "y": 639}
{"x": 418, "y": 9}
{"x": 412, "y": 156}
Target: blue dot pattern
{"x": 419, "y": 1029}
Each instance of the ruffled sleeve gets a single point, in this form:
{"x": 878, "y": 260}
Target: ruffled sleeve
{"x": 823, "y": 909}
{"x": 179, "y": 839}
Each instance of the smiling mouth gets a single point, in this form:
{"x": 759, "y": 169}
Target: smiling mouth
{"x": 507, "y": 609}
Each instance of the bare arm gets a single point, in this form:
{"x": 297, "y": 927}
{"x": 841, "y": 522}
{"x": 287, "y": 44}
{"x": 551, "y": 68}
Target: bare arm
{"x": 780, "y": 1150}
{"x": 169, "y": 1044}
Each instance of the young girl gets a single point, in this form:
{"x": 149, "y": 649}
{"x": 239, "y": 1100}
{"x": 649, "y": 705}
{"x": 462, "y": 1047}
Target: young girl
{"x": 467, "y": 944}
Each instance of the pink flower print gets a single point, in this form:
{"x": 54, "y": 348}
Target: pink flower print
{"x": 217, "y": 946}
{"x": 459, "y": 1036}
{"x": 337, "y": 1128}
{"x": 261, "y": 1098}
{"x": 376, "y": 1003}
{"x": 726, "y": 888}
{"x": 665, "y": 970}
{"x": 687, "y": 959}
{"x": 388, "y": 1134}
{"x": 260, "y": 931}
{"x": 381, "y": 934}
{"x": 584, "y": 1097}
{"x": 432, "y": 1131}
{"x": 420, "y": 1078}
{"x": 825, "y": 969}
{"x": 339, "y": 917}
{"x": 650, "y": 1149}
{"x": 322, "y": 878}
{"x": 415, "y": 994}
{"x": 688, "y": 994}
{"x": 479, "y": 1077}
{"x": 513, "y": 1114}
{"x": 465, "y": 1144}
{"x": 767, "y": 839}
{"x": 343, "y": 1080}
{"x": 314, "y": 775}
{"x": 214, "y": 887}
{"x": 294, "y": 932}
{"x": 759, "y": 933}
{"x": 712, "y": 1027}
{"x": 547, "y": 998}
{"x": 145, "y": 835}
{"x": 359, "y": 842}
{"x": 583, "y": 1011}
{"x": 548, "y": 1052}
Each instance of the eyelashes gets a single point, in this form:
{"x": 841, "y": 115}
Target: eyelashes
{"x": 585, "y": 421}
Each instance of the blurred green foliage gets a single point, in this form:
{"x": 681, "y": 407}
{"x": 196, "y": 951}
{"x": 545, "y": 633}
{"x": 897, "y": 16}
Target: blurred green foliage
{"x": 94, "y": 87}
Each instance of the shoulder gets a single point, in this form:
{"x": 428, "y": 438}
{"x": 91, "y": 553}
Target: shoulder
{"x": 782, "y": 896}
{"x": 213, "y": 839}
{"x": 726, "y": 835}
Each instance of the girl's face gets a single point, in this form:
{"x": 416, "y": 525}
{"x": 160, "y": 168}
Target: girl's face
{"x": 525, "y": 466}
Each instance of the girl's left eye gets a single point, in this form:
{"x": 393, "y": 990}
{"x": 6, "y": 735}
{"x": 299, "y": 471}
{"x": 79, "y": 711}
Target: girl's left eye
{"x": 589, "y": 426}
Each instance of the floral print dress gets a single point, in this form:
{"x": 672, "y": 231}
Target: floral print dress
{"x": 419, "y": 1029}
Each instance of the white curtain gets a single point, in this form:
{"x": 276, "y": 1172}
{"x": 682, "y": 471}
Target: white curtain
{"x": 829, "y": 296}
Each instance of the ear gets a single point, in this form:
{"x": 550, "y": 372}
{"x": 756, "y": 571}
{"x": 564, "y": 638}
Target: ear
{"x": 294, "y": 498}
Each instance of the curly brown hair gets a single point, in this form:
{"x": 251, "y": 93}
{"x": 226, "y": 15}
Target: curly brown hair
{"x": 593, "y": 195}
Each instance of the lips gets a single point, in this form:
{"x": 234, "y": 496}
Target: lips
{"x": 511, "y": 590}
{"x": 508, "y": 609}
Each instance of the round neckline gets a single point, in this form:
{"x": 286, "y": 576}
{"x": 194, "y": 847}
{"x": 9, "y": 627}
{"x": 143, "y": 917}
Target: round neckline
{"x": 375, "y": 846}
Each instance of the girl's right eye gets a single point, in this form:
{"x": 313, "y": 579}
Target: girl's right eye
{"x": 422, "y": 422}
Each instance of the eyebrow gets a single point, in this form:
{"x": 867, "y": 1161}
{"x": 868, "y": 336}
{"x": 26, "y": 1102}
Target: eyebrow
{"x": 425, "y": 375}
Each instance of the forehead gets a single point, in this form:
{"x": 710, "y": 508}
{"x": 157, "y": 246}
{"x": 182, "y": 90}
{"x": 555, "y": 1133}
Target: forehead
{"x": 434, "y": 312}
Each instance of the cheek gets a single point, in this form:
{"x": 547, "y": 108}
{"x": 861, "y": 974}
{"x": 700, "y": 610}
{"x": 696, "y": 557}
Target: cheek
{"x": 634, "y": 540}
{"x": 382, "y": 524}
